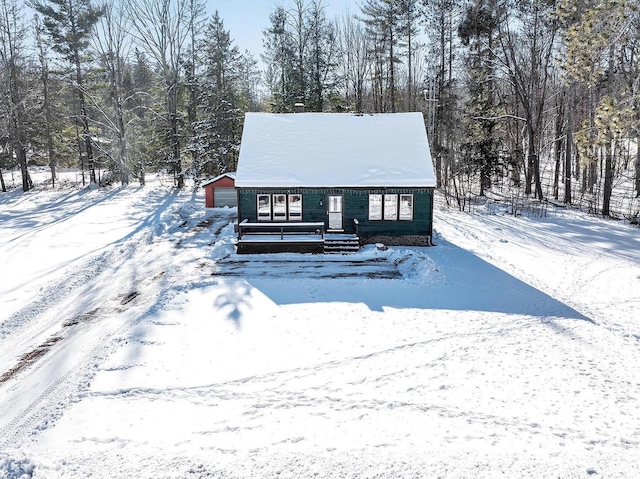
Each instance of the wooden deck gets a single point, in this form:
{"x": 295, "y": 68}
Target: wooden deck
{"x": 292, "y": 237}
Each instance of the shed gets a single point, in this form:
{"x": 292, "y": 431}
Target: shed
{"x": 340, "y": 178}
{"x": 221, "y": 191}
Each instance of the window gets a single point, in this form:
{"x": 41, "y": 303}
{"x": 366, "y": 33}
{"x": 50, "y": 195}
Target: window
{"x": 295, "y": 207}
{"x": 390, "y": 207}
{"x": 335, "y": 204}
{"x": 279, "y": 207}
{"x": 264, "y": 207}
{"x": 406, "y": 207}
{"x": 375, "y": 207}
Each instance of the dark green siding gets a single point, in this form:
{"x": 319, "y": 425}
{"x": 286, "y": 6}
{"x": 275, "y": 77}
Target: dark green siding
{"x": 356, "y": 205}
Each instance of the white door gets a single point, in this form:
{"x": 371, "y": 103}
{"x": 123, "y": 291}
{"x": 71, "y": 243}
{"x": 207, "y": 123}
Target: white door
{"x": 335, "y": 212}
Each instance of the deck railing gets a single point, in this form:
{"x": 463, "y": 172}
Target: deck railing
{"x": 281, "y": 229}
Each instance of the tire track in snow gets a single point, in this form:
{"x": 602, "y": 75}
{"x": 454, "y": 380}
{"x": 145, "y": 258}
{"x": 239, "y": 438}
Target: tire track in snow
{"x": 75, "y": 277}
{"x": 48, "y": 403}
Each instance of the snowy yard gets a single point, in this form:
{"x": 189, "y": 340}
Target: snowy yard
{"x": 134, "y": 342}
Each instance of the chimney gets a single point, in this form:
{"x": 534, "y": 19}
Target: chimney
{"x": 298, "y": 108}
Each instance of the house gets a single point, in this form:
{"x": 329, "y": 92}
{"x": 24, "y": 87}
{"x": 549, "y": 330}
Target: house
{"x": 221, "y": 191}
{"x": 314, "y": 182}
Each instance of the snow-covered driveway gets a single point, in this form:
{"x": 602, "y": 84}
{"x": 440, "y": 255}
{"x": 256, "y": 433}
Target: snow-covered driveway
{"x": 510, "y": 349}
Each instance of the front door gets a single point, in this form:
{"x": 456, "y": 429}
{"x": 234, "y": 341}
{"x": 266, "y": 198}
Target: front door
{"x": 335, "y": 212}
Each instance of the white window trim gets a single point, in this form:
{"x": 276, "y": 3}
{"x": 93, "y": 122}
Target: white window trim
{"x": 390, "y": 214}
{"x": 375, "y": 217}
{"x": 281, "y": 215}
{"x": 263, "y": 217}
{"x": 295, "y": 217}
{"x": 400, "y": 217}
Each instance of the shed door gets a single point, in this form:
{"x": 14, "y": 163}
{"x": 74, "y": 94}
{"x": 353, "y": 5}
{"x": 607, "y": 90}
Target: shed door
{"x": 225, "y": 197}
{"x": 335, "y": 212}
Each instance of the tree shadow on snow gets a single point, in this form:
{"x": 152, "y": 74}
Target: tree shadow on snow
{"x": 462, "y": 282}
{"x": 42, "y": 216}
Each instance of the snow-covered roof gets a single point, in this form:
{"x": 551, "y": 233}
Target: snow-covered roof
{"x": 334, "y": 150}
{"x": 228, "y": 174}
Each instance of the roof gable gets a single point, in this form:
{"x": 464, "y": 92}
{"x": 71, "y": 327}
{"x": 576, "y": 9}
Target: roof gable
{"x": 229, "y": 174}
{"x": 334, "y": 150}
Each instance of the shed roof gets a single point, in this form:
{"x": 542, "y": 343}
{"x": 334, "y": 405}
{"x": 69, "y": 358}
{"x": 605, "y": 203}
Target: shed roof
{"x": 334, "y": 150}
{"x": 229, "y": 174}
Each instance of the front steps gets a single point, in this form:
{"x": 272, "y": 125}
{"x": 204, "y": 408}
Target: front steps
{"x": 341, "y": 243}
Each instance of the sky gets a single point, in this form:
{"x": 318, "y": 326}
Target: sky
{"x": 246, "y": 19}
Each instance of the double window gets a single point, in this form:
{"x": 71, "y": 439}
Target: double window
{"x": 391, "y": 207}
{"x": 279, "y": 207}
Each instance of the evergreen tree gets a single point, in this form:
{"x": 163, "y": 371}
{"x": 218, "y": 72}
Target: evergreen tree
{"x": 278, "y": 57}
{"x": 478, "y": 31}
{"x": 383, "y": 22}
{"x": 70, "y": 24}
{"x": 138, "y": 86}
{"x": 249, "y": 82}
{"x": 48, "y": 127}
{"x": 217, "y": 134}
{"x": 409, "y": 19}
{"x": 321, "y": 57}
{"x": 441, "y": 28}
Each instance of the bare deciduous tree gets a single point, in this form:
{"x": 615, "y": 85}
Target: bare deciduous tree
{"x": 162, "y": 28}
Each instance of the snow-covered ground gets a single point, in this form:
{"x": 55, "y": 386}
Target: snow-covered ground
{"x": 134, "y": 342}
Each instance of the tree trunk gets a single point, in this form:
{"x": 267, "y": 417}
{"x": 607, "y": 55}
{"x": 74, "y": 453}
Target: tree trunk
{"x": 638, "y": 168}
{"x": 21, "y": 156}
{"x": 536, "y": 176}
{"x": 48, "y": 121}
{"x": 609, "y": 160}
{"x": 568, "y": 151}
{"x": 46, "y": 105}
{"x": 530, "y": 156}
{"x": 122, "y": 147}
{"x": 84, "y": 119}
{"x": 2, "y": 185}
{"x": 608, "y": 179}
{"x": 392, "y": 80}
{"x": 175, "y": 143}
{"x": 141, "y": 176}
{"x": 558, "y": 148}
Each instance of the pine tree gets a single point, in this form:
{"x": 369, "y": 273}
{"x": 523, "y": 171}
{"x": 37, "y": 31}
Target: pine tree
{"x": 383, "y": 22}
{"x": 439, "y": 18}
{"x": 249, "y": 82}
{"x": 278, "y": 57}
{"x": 46, "y": 98}
{"x": 70, "y": 24}
{"x": 321, "y": 57}
{"x": 409, "y": 20}
{"x": 595, "y": 34}
{"x": 478, "y": 31}
{"x": 140, "y": 102}
{"x": 217, "y": 134}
